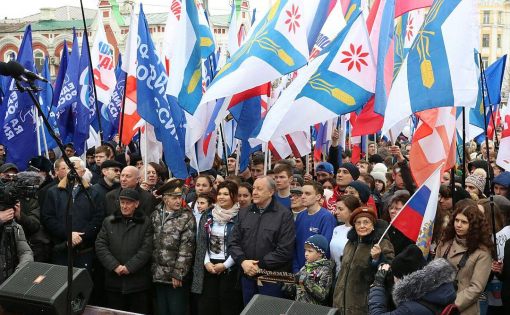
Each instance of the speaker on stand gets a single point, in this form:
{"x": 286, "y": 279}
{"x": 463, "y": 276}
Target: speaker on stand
{"x": 268, "y": 305}
{"x": 39, "y": 288}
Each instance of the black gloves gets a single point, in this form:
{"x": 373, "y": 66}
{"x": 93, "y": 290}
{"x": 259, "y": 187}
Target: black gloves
{"x": 380, "y": 277}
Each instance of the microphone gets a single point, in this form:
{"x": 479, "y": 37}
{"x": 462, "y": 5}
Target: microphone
{"x": 4, "y": 69}
{"x": 17, "y": 70}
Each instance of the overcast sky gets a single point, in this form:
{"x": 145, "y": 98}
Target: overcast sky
{"x": 28, "y": 7}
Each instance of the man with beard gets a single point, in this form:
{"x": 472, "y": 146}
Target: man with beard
{"x": 110, "y": 169}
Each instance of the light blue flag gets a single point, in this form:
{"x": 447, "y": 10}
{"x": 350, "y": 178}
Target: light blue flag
{"x": 17, "y": 113}
{"x": 339, "y": 81}
{"x": 279, "y": 44}
{"x": 439, "y": 70}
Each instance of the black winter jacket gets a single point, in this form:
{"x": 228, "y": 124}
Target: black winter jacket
{"x": 147, "y": 201}
{"x": 86, "y": 217}
{"x": 127, "y": 242}
{"x": 103, "y": 188}
{"x": 267, "y": 237}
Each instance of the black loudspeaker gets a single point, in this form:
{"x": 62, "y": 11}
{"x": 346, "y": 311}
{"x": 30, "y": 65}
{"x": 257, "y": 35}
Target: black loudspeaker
{"x": 39, "y": 288}
{"x": 267, "y": 305}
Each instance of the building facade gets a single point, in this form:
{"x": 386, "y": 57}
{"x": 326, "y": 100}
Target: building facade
{"x": 495, "y": 35}
{"x": 53, "y": 26}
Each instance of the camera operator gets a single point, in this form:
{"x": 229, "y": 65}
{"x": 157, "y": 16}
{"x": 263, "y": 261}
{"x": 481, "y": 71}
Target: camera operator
{"x": 14, "y": 249}
{"x": 20, "y": 190}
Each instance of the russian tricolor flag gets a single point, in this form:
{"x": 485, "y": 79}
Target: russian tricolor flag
{"x": 416, "y": 219}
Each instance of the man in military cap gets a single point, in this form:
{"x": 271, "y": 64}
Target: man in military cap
{"x": 124, "y": 248}
{"x": 174, "y": 247}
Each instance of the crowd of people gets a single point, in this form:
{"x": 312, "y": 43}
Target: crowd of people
{"x": 154, "y": 244}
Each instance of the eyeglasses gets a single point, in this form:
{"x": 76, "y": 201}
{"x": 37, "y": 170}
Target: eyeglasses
{"x": 363, "y": 223}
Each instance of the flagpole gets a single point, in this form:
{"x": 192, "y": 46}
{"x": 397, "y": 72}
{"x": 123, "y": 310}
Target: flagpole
{"x": 238, "y": 148}
{"x": 38, "y": 131}
{"x": 308, "y": 166}
{"x": 86, "y": 37}
{"x": 489, "y": 175}
{"x": 265, "y": 158}
{"x": 463, "y": 146}
{"x": 491, "y": 112}
{"x": 44, "y": 138}
{"x": 222, "y": 135}
{"x": 144, "y": 155}
{"x": 123, "y": 107}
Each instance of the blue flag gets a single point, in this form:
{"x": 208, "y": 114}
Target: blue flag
{"x": 60, "y": 75}
{"x": 18, "y": 124}
{"x": 152, "y": 104}
{"x": 493, "y": 80}
{"x": 68, "y": 98}
{"x": 85, "y": 110}
{"x": 45, "y": 98}
{"x": 112, "y": 111}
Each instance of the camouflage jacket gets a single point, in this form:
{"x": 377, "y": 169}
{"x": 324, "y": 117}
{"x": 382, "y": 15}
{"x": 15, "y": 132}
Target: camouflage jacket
{"x": 174, "y": 244}
{"x": 314, "y": 282}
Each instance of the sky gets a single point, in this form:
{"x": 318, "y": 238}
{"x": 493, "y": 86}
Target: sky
{"x": 28, "y": 7}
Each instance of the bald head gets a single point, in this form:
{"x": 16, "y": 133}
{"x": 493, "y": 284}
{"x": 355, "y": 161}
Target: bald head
{"x": 129, "y": 177}
{"x": 263, "y": 190}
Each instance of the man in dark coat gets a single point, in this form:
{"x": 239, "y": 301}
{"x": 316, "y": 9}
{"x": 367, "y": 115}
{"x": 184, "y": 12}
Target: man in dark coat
{"x": 87, "y": 218}
{"x": 129, "y": 178}
{"x": 263, "y": 238}
{"x": 124, "y": 248}
{"x": 110, "y": 177}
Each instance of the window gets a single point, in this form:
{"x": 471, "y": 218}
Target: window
{"x": 485, "y": 61}
{"x": 9, "y": 55}
{"x": 39, "y": 60}
{"x": 486, "y": 17}
{"x": 498, "y": 41}
{"x": 485, "y": 40}
{"x": 500, "y": 17}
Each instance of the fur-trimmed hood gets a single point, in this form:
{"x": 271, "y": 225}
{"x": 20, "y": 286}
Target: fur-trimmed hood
{"x": 433, "y": 283}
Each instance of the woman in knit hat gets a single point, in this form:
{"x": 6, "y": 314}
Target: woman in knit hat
{"x": 364, "y": 251}
{"x": 475, "y": 185}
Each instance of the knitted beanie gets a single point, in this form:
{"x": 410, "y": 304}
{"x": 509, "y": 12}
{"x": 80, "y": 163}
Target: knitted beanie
{"x": 476, "y": 180}
{"x": 362, "y": 189}
{"x": 353, "y": 170}
{"x": 319, "y": 242}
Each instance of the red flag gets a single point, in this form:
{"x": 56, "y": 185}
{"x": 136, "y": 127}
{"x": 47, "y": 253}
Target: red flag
{"x": 434, "y": 143}
{"x": 404, "y": 6}
{"x": 368, "y": 122}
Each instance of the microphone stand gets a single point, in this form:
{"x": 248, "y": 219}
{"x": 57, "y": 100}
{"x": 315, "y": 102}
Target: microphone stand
{"x": 72, "y": 177}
